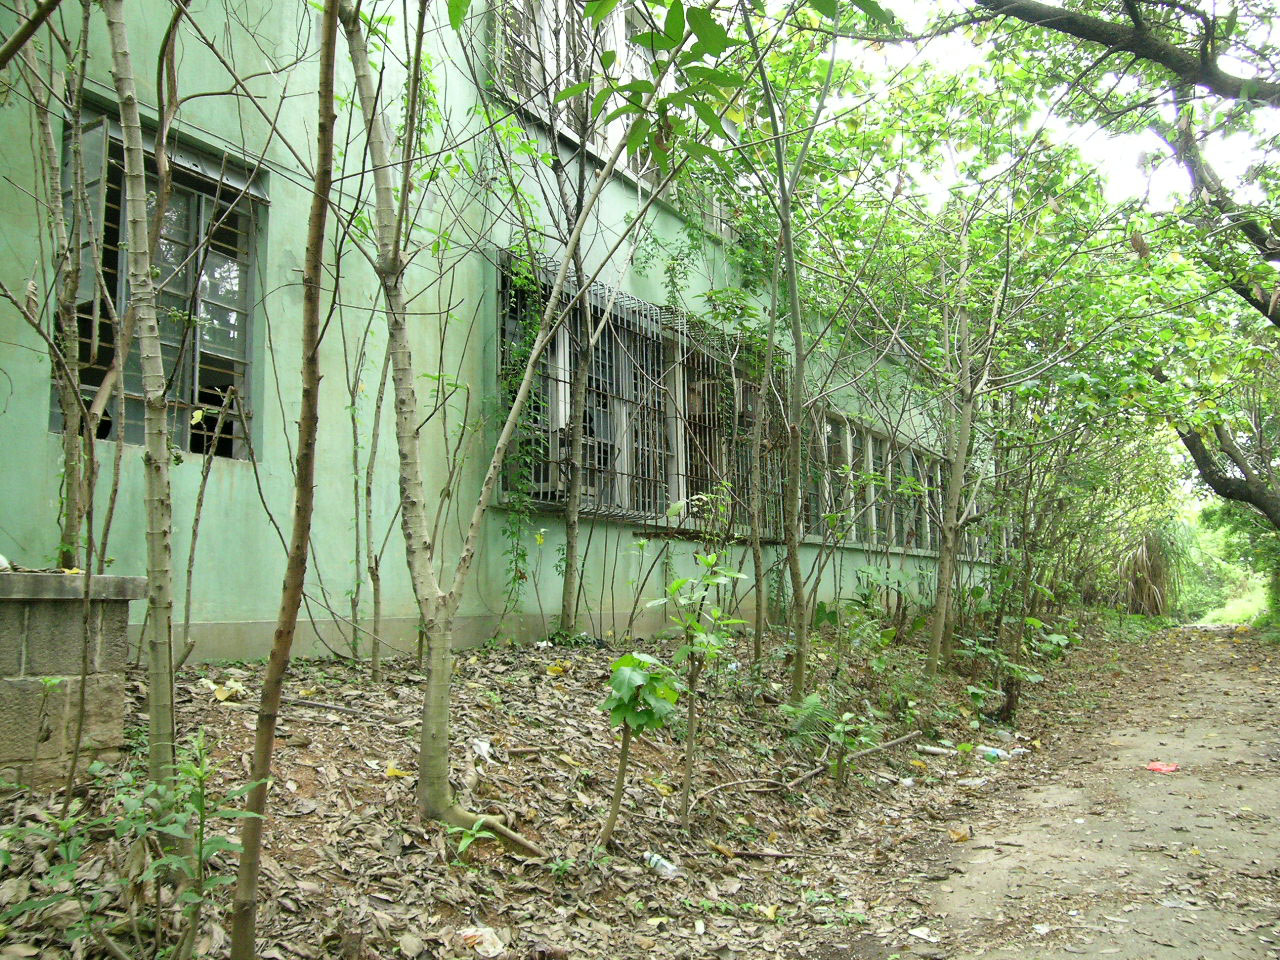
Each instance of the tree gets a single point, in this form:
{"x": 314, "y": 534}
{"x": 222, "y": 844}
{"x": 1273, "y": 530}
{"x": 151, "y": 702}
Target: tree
{"x": 244, "y": 904}
{"x": 1173, "y": 56}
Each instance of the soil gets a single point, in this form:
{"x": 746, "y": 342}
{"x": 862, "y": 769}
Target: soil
{"x": 1083, "y": 851}
{"x": 1071, "y": 848}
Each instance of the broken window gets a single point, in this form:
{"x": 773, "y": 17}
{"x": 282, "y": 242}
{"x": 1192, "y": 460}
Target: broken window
{"x": 202, "y": 263}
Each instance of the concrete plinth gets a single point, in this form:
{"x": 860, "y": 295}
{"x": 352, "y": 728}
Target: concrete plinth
{"x": 45, "y": 656}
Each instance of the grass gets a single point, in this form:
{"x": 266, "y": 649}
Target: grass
{"x": 1244, "y": 608}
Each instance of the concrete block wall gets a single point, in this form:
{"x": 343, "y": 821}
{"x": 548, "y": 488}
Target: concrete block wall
{"x": 42, "y": 653}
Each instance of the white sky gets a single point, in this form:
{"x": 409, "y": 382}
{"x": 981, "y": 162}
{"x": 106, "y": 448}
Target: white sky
{"x": 1118, "y": 158}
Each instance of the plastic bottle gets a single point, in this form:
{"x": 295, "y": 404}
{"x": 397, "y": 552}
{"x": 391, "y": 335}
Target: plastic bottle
{"x": 661, "y": 865}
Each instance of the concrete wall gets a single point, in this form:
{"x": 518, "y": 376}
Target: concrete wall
{"x": 43, "y": 660}
{"x": 453, "y": 283}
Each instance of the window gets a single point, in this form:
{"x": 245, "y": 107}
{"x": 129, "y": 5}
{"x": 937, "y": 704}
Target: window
{"x": 667, "y": 421}
{"x": 626, "y": 452}
{"x": 826, "y": 502}
{"x": 880, "y": 489}
{"x": 203, "y": 263}
{"x": 542, "y": 47}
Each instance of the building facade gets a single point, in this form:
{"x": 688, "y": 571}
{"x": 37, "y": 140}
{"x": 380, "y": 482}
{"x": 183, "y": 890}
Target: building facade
{"x": 670, "y": 400}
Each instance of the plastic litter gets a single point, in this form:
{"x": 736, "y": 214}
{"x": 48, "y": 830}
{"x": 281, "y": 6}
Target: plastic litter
{"x": 988, "y": 752}
{"x": 935, "y": 751}
{"x": 483, "y": 940}
{"x": 1161, "y": 766}
{"x": 661, "y": 865}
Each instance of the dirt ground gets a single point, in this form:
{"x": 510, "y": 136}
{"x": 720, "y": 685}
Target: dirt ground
{"x": 1082, "y": 851}
{"x": 1072, "y": 848}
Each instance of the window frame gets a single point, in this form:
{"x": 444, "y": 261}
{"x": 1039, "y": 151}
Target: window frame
{"x": 209, "y": 184}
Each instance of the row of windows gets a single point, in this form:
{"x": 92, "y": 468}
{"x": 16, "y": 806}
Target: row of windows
{"x": 668, "y": 420}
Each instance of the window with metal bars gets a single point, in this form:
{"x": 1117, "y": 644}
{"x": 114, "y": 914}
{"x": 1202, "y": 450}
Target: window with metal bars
{"x": 203, "y": 260}
{"x": 827, "y": 489}
{"x": 544, "y": 47}
{"x": 667, "y": 419}
{"x": 617, "y": 340}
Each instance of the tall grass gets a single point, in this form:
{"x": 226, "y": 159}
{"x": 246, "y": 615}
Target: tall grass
{"x": 1150, "y": 573}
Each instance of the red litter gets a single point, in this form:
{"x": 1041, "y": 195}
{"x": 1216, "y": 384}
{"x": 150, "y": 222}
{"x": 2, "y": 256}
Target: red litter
{"x": 1160, "y": 766}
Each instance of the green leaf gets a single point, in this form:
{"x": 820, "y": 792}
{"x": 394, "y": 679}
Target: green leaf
{"x": 872, "y": 10}
{"x": 600, "y": 99}
{"x": 636, "y": 139}
{"x": 673, "y": 26}
{"x": 570, "y": 92}
{"x": 652, "y": 40}
{"x": 708, "y": 30}
{"x": 597, "y": 10}
{"x": 712, "y": 120}
{"x": 458, "y": 12}
{"x": 626, "y": 680}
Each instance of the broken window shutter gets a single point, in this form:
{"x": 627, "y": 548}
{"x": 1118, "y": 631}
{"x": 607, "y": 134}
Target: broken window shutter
{"x": 85, "y": 220}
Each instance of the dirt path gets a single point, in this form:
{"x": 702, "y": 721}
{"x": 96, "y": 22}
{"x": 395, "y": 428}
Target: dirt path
{"x": 1083, "y": 852}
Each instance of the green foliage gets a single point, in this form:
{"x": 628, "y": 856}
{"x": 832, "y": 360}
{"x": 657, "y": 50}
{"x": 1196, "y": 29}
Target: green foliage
{"x": 689, "y": 599}
{"x": 170, "y": 829}
{"x": 464, "y": 837}
{"x": 643, "y": 693}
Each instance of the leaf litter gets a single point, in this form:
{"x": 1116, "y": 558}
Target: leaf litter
{"x": 349, "y": 869}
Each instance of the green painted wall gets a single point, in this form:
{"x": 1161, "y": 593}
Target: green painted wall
{"x": 240, "y": 561}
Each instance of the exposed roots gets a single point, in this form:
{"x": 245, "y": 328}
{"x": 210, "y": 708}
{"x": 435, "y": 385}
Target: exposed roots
{"x": 456, "y": 816}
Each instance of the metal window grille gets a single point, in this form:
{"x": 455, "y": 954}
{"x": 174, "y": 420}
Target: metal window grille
{"x": 664, "y": 419}
{"x": 626, "y": 449}
{"x": 203, "y": 260}
{"x": 667, "y": 417}
{"x": 880, "y": 487}
{"x": 859, "y": 489}
{"x": 543, "y": 47}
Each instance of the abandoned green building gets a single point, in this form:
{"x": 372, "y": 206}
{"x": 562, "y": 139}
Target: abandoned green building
{"x": 670, "y": 397}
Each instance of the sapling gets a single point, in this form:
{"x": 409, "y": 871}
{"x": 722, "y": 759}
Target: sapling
{"x": 705, "y": 634}
{"x": 643, "y": 693}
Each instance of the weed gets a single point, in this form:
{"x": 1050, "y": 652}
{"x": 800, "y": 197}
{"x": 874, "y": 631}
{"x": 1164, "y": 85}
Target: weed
{"x": 466, "y": 836}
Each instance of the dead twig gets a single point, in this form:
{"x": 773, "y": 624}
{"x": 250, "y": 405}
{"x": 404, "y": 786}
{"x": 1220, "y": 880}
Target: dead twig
{"x": 791, "y": 785}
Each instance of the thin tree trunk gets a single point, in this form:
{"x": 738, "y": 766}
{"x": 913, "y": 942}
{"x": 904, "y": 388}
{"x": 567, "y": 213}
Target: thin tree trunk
{"x": 573, "y": 495}
{"x": 691, "y": 737}
{"x": 951, "y": 527}
{"x": 156, "y": 455}
{"x": 205, "y": 467}
{"x": 435, "y": 796}
{"x": 619, "y": 784}
{"x": 756, "y": 504}
{"x": 791, "y": 513}
{"x": 244, "y": 903}
{"x": 374, "y": 557}
{"x": 358, "y": 559}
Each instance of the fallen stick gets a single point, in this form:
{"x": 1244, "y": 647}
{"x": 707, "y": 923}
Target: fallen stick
{"x": 317, "y": 705}
{"x": 512, "y": 838}
{"x": 778, "y": 784}
{"x": 791, "y": 785}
